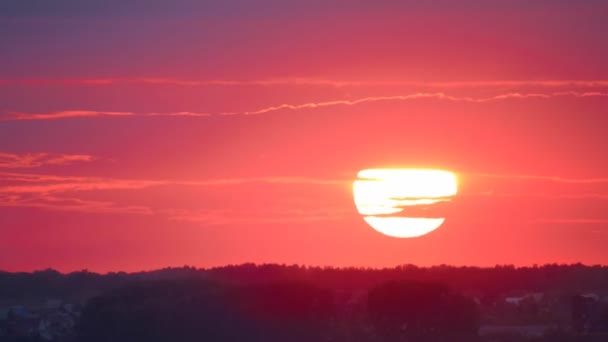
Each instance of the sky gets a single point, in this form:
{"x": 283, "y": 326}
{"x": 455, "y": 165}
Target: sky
{"x": 137, "y": 135}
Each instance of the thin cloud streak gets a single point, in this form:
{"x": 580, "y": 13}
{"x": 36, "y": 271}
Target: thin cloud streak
{"x": 301, "y": 81}
{"x": 72, "y": 204}
{"x": 227, "y": 217}
{"x": 53, "y": 183}
{"x": 33, "y": 160}
{"x": 416, "y": 96}
{"x": 63, "y": 115}
{"x": 598, "y": 196}
{"x": 593, "y": 180}
{"x": 13, "y": 116}
{"x": 16, "y": 116}
{"x": 569, "y": 221}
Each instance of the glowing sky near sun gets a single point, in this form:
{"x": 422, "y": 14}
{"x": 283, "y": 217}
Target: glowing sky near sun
{"x": 206, "y": 133}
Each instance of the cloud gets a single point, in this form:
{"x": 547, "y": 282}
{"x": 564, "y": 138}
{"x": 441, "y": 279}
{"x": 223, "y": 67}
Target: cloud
{"x": 269, "y": 180}
{"x": 86, "y": 194}
{"x": 226, "y": 217}
{"x": 16, "y": 116}
{"x": 62, "y": 115}
{"x": 49, "y": 202}
{"x": 591, "y": 180}
{"x": 12, "y": 116}
{"x": 569, "y": 221}
{"x": 55, "y": 183}
{"x": 55, "y": 192}
{"x": 75, "y": 184}
{"x": 598, "y": 196}
{"x": 416, "y": 96}
{"x": 303, "y": 81}
{"x": 49, "y": 192}
{"x": 180, "y": 114}
{"x": 544, "y": 187}
{"x": 32, "y": 160}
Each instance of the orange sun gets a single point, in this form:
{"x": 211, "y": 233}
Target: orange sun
{"x": 382, "y": 194}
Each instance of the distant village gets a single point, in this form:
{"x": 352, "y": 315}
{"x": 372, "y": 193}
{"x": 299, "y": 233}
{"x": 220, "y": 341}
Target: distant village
{"x": 528, "y": 316}
{"x": 53, "y": 320}
{"x": 534, "y": 315}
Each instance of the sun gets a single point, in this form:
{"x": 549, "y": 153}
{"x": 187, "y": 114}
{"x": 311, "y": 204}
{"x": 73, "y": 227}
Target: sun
{"x": 383, "y": 197}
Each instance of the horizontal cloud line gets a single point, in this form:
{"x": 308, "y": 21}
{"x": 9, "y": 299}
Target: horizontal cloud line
{"x": 570, "y": 220}
{"x": 300, "y": 81}
{"x": 574, "y": 196}
{"x": 32, "y": 160}
{"x": 13, "y": 116}
{"x": 592, "y": 180}
{"x": 54, "y": 192}
{"x": 224, "y": 217}
{"x": 40, "y": 183}
{"x": 50, "y": 202}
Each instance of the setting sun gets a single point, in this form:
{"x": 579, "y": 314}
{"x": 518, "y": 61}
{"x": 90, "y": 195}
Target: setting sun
{"x": 382, "y": 195}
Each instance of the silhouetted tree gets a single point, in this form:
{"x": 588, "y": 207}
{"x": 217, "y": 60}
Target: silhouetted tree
{"x": 199, "y": 311}
{"x": 412, "y": 311}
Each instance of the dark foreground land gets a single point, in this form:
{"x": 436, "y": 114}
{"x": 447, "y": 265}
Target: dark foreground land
{"x": 308, "y": 304}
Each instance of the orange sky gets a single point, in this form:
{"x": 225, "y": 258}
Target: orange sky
{"x": 206, "y": 134}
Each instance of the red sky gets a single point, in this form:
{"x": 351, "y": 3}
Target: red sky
{"x": 191, "y": 132}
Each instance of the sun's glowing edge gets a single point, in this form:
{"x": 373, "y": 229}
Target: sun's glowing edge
{"x": 394, "y": 226}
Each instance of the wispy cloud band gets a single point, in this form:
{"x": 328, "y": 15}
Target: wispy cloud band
{"x": 32, "y": 160}
{"x": 558, "y": 179}
{"x": 600, "y": 221}
{"x": 301, "y": 81}
{"x": 62, "y": 193}
{"x": 12, "y": 115}
{"x": 15, "y": 116}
